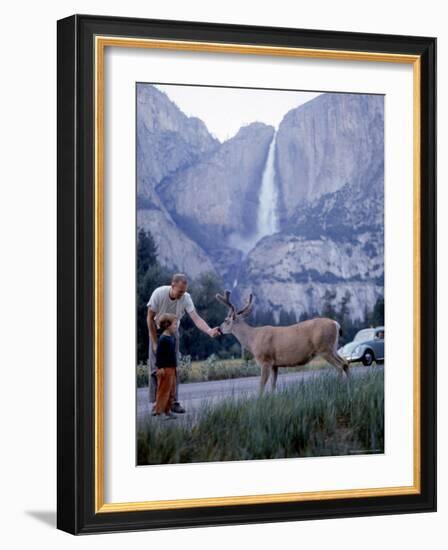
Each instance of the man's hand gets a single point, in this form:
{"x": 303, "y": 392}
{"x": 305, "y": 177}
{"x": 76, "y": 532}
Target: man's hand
{"x": 213, "y": 332}
{"x": 202, "y": 325}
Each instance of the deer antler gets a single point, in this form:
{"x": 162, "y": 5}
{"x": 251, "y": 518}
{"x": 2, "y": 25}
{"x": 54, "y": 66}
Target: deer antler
{"x": 226, "y": 300}
{"x": 247, "y": 306}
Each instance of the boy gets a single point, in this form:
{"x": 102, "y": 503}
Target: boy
{"x": 166, "y": 362}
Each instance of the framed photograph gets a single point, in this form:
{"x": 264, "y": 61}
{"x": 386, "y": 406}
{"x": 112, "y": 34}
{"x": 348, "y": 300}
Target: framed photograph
{"x": 244, "y": 213}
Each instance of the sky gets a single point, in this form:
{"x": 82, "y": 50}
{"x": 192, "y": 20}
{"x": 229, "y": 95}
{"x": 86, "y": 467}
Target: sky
{"x": 225, "y": 110}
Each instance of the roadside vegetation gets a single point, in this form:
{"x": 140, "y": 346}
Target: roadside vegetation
{"x": 322, "y": 416}
{"x": 215, "y": 368}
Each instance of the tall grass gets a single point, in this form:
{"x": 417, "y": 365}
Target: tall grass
{"x": 321, "y": 416}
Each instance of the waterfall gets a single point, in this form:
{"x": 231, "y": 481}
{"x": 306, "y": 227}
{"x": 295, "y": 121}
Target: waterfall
{"x": 267, "y": 222}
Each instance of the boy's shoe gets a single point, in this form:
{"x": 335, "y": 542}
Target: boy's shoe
{"x": 177, "y": 408}
{"x": 170, "y": 416}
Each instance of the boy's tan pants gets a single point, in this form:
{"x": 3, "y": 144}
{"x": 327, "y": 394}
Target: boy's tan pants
{"x": 166, "y": 388}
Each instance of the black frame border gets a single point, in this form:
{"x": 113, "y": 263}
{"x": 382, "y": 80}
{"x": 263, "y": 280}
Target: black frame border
{"x": 76, "y": 262}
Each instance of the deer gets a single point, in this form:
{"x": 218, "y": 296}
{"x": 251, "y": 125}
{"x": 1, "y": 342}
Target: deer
{"x": 290, "y": 346}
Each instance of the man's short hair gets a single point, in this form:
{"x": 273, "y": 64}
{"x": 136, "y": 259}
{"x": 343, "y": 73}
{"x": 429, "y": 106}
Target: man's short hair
{"x": 179, "y": 278}
{"x": 166, "y": 320}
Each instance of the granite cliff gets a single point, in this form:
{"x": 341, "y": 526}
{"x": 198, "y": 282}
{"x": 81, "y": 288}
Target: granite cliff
{"x": 167, "y": 141}
{"x": 334, "y": 140}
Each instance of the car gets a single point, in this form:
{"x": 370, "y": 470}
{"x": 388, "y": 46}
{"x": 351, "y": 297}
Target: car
{"x": 367, "y": 347}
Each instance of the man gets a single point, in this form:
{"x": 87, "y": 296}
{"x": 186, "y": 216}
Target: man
{"x": 173, "y": 299}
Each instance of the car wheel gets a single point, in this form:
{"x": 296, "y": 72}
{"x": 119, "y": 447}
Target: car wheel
{"x": 368, "y": 358}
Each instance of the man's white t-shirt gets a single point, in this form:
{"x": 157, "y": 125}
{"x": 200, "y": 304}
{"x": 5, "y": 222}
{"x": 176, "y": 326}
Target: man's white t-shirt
{"x": 160, "y": 302}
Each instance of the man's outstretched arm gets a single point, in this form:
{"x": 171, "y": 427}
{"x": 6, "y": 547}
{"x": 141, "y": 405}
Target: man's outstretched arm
{"x": 202, "y": 325}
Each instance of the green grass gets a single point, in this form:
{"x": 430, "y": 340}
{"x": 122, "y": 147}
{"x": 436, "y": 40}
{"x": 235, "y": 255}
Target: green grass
{"x": 220, "y": 369}
{"x": 322, "y": 416}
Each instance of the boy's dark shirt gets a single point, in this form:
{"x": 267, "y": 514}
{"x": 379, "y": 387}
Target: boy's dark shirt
{"x": 166, "y": 352}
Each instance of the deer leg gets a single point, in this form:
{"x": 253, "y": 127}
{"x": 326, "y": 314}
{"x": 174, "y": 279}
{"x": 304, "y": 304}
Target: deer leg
{"x": 265, "y": 372}
{"x": 334, "y": 359}
{"x": 274, "y": 377}
{"x": 344, "y": 364}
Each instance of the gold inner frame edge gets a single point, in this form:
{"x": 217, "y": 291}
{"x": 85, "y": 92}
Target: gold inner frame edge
{"x": 100, "y": 43}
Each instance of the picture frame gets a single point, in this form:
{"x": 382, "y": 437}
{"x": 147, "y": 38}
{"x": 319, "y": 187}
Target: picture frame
{"x": 82, "y": 41}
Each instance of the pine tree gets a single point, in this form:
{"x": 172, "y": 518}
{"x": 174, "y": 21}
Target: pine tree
{"x": 146, "y": 252}
{"x": 344, "y": 309}
{"x": 150, "y": 275}
{"x": 284, "y": 318}
{"x": 328, "y": 309}
{"x": 193, "y": 342}
{"x": 378, "y": 312}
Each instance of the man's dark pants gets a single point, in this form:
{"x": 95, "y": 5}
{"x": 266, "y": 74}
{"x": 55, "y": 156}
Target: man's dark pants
{"x": 152, "y": 372}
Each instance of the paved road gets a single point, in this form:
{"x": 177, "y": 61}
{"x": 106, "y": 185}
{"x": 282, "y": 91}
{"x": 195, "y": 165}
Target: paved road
{"x": 192, "y": 395}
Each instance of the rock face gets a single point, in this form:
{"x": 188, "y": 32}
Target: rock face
{"x": 351, "y": 211}
{"x": 332, "y": 141}
{"x": 218, "y": 197}
{"x": 175, "y": 250}
{"x": 201, "y": 200}
{"x": 167, "y": 140}
{"x": 286, "y": 270}
{"x": 215, "y": 201}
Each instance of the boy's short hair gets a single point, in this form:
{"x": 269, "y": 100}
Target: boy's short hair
{"x": 166, "y": 320}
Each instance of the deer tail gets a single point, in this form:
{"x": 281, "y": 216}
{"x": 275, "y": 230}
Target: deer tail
{"x": 338, "y": 328}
